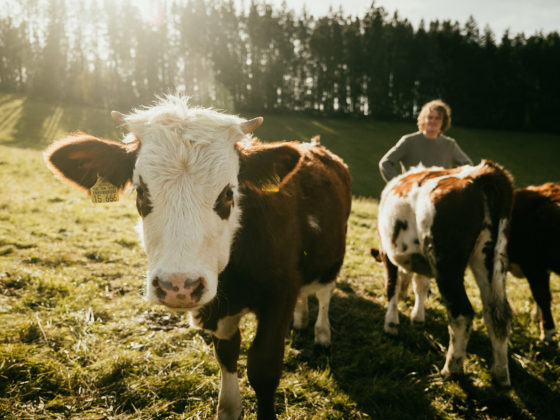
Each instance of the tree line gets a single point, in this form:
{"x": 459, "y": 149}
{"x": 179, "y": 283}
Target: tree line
{"x": 266, "y": 59}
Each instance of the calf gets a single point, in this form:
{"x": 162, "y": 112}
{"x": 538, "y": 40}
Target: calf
{"x": 533, "y": 251}
{"x": 533, "y": 246}
{"x": 229, "y": 225}
{"x": 435, "y": 222}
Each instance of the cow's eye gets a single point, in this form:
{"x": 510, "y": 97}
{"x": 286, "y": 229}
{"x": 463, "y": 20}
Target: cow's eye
{"x": 224, "y": 202}
{"x": 139, "y": 191}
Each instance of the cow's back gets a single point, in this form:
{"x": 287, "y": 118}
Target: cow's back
{"x": 427, "y": 209}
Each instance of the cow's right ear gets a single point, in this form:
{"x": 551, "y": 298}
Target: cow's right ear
{"x": 267, "y": 165}
{"x": 80, "y": 158}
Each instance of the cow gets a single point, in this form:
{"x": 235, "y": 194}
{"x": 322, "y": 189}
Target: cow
{"x": 533, "y": 252}
{"x": 435, "y": 222}
{"x": 533, "y": 246}
{"x": 230, "y": 225}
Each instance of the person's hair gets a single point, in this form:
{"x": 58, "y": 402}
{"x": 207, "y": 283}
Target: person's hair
{"x": 441, "y": 107}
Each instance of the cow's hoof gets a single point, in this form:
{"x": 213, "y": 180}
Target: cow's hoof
{"x": 391, "y": 329}
{"x": 501, "y": 385}
{"x": 321, "y": 350}
{"x": 548, "y": 335}
{"x": 453, "y": 368}
{"x": 500, "y": 379}
{"x": 418, "y": 324}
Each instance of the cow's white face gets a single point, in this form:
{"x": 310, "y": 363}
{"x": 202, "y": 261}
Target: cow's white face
{"x": 187, "y": 195}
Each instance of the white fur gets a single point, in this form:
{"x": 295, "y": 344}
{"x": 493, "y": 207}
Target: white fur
{"x": 187, "y": 156}
{"x": 228, "y": 325}
{"x": 229, "y": 403}
{"x": 313, "y": 223}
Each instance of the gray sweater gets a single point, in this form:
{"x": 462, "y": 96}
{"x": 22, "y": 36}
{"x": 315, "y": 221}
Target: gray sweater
{"x": 414, "y": 149}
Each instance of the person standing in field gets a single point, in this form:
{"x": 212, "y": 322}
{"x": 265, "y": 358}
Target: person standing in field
{"x": 428, "y": 146}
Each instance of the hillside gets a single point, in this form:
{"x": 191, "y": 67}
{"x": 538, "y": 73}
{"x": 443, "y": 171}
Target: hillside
{"x": 532, "y": 158}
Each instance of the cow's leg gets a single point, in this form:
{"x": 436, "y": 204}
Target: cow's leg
{"x": 227, "y": 353}
{"x": 264, "y": 360}
{"x": 322, "y": 325}
{"x": 301, "y": 312}
{"x": 403, "y": 283}
{"x": 421, "y": 286}
{"x": 497, "y": 317}
{"x": 391, "y": 325}
{"x": 460, "y": 314}
{"x": 539, "y": 281}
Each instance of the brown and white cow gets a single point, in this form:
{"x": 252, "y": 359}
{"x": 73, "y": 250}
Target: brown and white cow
{"x": 533, "y": 252}
{"x": 435, "y": 222}
{"x": 229, "y": 225}
{"x": 533, "y": 246}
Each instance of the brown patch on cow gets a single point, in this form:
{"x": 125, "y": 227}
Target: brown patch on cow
{"x": 224, "y": 202}
{"x": 419, "y": 178}
{"x": 446, "y": 185}
{"x": 549, "y": 190}
{"x": 80, "y": 158}
{"x": 143, "y": 202}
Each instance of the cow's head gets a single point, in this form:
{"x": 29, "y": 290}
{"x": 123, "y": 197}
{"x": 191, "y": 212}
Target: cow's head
{"x": 188, "y": 167}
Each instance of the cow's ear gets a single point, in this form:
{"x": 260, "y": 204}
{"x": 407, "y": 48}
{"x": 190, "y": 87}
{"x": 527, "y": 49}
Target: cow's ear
{"x": 267, "y": 166}
{"x": 81, "y": 157}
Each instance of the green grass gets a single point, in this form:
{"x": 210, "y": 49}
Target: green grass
{"x": 78, "y": 340}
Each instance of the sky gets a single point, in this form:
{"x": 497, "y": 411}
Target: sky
{"x": 527, "y": 16}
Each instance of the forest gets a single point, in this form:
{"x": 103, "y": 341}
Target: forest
{"x": 110, "y": 53}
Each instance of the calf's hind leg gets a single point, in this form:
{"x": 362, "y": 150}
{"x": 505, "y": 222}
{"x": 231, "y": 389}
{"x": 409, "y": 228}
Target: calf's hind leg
{"x": 421, "y": 286}
{"x": 539, "y": 280}
{"x": 460, "y": 314}
{"x": 322, "y": 325}
{"x": 391, "y": 325}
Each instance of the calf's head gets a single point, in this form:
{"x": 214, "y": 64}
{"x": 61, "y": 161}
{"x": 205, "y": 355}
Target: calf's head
{"x": 188, "y": 167}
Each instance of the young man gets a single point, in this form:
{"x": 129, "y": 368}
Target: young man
{"x": 428, "y": 146}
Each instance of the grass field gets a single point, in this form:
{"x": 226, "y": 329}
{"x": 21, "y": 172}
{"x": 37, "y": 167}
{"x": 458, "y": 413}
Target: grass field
{"x": 77, "y": 339}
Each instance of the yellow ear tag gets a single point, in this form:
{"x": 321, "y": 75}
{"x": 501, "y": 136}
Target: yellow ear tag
{"x": 271, "y": 185}
{"x": 104, "y": 192}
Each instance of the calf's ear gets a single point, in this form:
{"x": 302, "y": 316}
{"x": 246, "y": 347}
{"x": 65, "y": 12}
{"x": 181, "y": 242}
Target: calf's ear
{"x": 81, "y": 157}
{"x": 267, "y": 165}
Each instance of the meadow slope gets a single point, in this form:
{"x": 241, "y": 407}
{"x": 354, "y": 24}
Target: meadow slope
{"x": 78, "y": 339}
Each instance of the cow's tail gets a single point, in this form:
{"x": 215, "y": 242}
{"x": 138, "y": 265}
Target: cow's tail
{"x": 497, "y": 186}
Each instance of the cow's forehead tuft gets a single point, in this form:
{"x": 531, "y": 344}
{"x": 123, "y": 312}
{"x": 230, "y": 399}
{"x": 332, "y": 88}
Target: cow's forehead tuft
{"x": 172, "y": 119}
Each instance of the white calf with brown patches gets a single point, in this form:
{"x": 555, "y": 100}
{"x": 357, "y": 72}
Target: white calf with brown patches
{"x": 435, "y": 222}
{"x": 229, "y": 226}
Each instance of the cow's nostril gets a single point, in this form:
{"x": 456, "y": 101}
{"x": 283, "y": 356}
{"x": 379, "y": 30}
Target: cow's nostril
{"x": 190, "y": 283}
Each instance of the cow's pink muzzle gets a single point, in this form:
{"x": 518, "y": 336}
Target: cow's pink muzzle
{"x": 179, "y": 291}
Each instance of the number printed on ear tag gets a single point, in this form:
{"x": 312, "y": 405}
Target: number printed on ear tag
{"x": 103, "y": 191}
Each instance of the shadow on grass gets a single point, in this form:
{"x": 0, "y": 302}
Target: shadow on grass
{"x": 395, "y": 378}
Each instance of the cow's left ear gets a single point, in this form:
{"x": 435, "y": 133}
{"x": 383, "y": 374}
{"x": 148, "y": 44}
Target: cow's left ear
{"x": 267, "y": 165}
{"x": 80, "y": 158}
